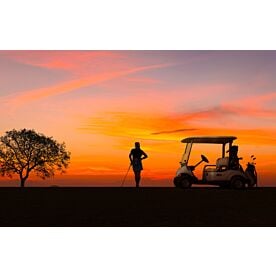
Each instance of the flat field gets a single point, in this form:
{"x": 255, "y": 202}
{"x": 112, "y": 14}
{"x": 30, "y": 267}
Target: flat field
{"x": 137, "y": 207}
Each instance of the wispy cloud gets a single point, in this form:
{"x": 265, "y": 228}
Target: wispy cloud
{"x": 74, "y": 61}
{"x": 65, "y": 87}
{"x": 167, "y": 128}
{"x": 174, "y": 131}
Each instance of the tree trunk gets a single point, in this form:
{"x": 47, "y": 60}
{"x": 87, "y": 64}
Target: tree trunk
{"x": 22, "y": 182}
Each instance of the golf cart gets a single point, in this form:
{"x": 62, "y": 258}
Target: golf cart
{"x": 227, "y": 172}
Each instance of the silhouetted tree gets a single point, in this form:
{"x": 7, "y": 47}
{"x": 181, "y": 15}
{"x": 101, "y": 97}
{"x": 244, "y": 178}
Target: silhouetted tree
{"x": 25, "y": 151}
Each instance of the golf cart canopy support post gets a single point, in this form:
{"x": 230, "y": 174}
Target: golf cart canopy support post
{"x": 223, "y": 140}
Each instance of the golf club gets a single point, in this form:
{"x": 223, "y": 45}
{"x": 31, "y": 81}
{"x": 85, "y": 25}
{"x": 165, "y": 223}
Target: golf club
{"x": 123, "y": 182}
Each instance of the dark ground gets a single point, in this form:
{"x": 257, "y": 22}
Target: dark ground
{"x": 131, "y": 207}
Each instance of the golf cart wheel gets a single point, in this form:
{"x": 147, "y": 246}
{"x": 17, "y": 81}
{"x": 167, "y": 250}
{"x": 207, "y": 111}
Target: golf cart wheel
{"x": 185, "y": 183}
{"x": 177, "y": 181}
{"x": 237, "y": 183}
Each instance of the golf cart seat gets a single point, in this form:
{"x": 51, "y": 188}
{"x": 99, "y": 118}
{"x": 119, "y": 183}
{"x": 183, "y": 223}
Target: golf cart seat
{"x": 222, "y": 164}
{"x": 210, "y": 168}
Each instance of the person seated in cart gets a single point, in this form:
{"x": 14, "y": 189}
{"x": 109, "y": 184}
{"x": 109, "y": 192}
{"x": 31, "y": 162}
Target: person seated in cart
{"x": 234, "y": 163}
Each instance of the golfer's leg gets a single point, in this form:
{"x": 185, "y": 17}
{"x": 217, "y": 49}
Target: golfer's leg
{"x": 138, "y": 177}
{"x": 135, "y": 175}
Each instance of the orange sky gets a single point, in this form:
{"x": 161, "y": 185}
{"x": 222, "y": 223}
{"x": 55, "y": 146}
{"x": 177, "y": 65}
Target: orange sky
{"x": 100, "y": 102}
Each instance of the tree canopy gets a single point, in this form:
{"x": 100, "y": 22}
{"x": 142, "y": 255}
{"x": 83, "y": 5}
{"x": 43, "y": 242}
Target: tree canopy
{"x": 25, "y": 151}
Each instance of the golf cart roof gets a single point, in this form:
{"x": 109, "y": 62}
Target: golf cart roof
{"x": 209, "y": 139}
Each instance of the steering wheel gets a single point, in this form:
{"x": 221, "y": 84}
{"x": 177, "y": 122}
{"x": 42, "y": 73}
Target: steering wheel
{"x": 204, "y": 158}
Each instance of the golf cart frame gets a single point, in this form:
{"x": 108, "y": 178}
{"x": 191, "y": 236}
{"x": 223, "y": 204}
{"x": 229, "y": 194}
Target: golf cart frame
{"x": 222, "y": 173}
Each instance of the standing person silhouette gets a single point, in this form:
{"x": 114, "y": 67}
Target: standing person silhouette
{"x": 136, "y": 156}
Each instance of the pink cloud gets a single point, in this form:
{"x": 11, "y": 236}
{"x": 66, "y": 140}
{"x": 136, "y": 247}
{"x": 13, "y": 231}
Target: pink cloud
{"x": 67, "y": 60}
{"x": 68, "y": 86}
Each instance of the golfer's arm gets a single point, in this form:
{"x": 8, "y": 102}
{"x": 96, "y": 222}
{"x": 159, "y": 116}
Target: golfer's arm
{"x": 145, "y": 156}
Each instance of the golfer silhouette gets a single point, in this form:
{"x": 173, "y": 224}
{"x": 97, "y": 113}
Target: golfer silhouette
{"x": 136, "y": 156}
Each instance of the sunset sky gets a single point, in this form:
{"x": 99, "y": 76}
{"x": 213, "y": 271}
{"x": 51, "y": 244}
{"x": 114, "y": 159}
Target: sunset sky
{"x": 100, "y": 102}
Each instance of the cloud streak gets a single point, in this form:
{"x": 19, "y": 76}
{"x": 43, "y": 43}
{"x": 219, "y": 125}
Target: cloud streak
{"x": 174, "y": 131}
{"x": 65, "y": 87}
{"x": 74, "y": 61}
{"x": 168, "y": 128}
